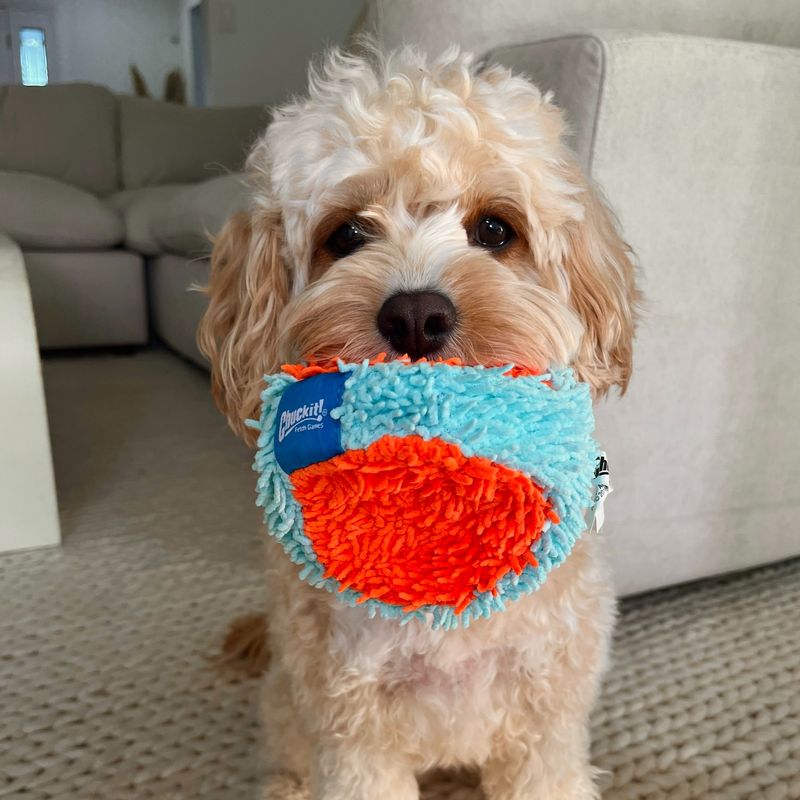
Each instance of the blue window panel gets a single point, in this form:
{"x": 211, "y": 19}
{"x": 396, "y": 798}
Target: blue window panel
{"x": 32, "y": 57}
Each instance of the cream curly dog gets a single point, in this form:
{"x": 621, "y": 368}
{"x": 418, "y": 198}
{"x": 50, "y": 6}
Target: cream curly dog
{"x": 428, "y": 208}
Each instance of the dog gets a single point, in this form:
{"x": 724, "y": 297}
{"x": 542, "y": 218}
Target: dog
{"x": 429, "y": 209}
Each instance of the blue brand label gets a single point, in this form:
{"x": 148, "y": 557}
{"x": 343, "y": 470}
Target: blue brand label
{"x": 305, "y": 433}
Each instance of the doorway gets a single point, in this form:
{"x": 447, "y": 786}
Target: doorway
{"x": 198, "y": 33}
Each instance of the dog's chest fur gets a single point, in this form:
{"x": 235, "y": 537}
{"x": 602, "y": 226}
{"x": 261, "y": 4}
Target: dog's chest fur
{"x": 413, "y": 658}
{"x": 453, "y": 689}
{"x": 441, "y": 697}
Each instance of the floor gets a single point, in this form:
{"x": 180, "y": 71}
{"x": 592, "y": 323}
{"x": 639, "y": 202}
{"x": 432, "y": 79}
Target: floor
{"x": 105, "y": 689}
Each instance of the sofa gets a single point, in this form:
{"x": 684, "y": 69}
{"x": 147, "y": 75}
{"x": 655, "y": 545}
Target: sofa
{"x": 686, "y": 115}
{"x": 93, "y": 186}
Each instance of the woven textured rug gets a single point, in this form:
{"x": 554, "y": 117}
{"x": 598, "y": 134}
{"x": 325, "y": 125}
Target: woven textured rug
{"x": 104, "y": 687}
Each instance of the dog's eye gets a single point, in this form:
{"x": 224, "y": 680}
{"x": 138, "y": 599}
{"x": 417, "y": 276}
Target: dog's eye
{"x": 346, "y": 239}
{"x": 493, "y": 233}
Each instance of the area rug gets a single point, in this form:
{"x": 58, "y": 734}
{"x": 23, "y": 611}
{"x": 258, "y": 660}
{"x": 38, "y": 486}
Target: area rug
{"x": 105, "y": 690}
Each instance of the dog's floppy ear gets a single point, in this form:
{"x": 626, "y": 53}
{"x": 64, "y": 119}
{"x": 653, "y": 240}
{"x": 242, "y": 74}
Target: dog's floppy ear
{"x": 248, "y": 288}
{"x": 603, "y": 293}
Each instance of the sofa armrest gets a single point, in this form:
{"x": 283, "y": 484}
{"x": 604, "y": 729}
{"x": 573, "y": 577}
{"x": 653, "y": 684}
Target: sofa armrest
{"x": 28, "y": 505}
{"x": 572, "y": 68}
{"x": 695, "y": 144}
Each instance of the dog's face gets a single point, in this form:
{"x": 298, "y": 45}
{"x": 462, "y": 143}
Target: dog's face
{"x": 421, "y": 210}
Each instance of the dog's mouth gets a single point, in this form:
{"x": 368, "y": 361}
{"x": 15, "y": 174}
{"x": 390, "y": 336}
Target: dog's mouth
{"x": 312, "y": 365}
{"x": 533, "y": 341}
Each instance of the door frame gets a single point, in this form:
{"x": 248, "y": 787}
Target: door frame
{"x": 6, "y": 55}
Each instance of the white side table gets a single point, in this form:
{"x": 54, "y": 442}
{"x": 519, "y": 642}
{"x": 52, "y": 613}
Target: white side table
{"x": 28, "y": 507}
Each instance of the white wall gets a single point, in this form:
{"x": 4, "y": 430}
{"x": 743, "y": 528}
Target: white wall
{"x": 259, "y": 49}
{"x": 97, "y": 40}
{"x": 100, "y": 38}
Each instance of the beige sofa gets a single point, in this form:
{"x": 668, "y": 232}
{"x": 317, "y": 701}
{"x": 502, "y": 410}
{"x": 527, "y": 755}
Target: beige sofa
{"x": 93, "y": 185}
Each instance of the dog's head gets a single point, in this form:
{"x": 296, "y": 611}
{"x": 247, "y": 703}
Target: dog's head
{"x": 427, "y": 209}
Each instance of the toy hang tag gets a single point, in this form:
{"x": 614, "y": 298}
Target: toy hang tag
{"x": 602, "y": 489}
{"x": 305, "y": 431}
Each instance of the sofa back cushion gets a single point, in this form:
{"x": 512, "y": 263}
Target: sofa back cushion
{"x": 64, "y": 131}
{"x": 166, "y": 143}
{"x": 480, "y": 26}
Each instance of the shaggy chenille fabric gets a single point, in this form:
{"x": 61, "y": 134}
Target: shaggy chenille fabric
{"x": 456, "y": 489}
{"x": 105, "y": 693}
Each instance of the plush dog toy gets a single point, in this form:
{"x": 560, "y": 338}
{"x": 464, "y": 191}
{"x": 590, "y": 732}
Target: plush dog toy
{"x": 426, "y": 489}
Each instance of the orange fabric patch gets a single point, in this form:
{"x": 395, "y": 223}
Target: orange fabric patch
{"x": 414, "y": 522}
{"x": 301, "y": 371}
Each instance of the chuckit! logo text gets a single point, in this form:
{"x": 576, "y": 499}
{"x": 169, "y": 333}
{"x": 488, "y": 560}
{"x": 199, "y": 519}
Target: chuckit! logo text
{"x": 305, "y": 414}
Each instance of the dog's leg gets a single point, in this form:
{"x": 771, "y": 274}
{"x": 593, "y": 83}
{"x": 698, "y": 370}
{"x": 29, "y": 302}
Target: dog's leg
{"x": 345, "y": 771}
{"x": 552, "y": 766}
{"x": 542, "y": 750}
{"x": 287, "y": 753}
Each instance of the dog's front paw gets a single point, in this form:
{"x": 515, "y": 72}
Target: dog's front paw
{"x": 284, "y": 787}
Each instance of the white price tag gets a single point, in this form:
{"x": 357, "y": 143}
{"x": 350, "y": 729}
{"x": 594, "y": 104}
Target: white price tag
{"x": 602, "y": 489}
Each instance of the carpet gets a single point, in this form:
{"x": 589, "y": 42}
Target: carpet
{"x": 105, "y": 690}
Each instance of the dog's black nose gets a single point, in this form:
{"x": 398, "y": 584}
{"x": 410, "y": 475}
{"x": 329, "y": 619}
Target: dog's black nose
{"x": 417, "y": 323}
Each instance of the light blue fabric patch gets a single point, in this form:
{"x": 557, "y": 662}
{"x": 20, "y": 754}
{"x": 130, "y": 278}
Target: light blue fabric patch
{"x": 540, "y": 425}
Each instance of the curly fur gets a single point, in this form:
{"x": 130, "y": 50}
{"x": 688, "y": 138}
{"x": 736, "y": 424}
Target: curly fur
{"x": 416, "y": 150}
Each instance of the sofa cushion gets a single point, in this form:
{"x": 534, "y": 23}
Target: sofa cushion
{"x": 88, "y": 298}
{"x": 64, "y": 131}
{"x": 196, "y": 214}
{"x": 570, "y": 67}
{"x": 177, "y": 303}
{"x": 46, "y": 214}
{"x": 166, "y": 143}
{"x": 139, "y": 209}
{"x": 480, "y": 26}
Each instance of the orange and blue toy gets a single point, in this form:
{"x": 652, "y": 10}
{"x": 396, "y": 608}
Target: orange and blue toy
{"x": 429, "y": 490}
